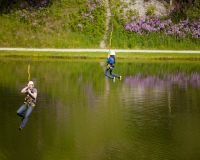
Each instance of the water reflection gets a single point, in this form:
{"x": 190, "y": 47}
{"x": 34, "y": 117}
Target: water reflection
{"x": 160, "y": 89}
{"x": 180, "y": 79}
{"x": 83, "y": 115}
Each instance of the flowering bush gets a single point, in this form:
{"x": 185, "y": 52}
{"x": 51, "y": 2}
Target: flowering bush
{"x": 154, "y": 24}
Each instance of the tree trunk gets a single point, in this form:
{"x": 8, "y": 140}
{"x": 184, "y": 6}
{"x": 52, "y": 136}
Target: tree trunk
{"x": 171, "y": 2}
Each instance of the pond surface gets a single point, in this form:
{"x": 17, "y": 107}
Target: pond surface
{"x": 152, "y": 114}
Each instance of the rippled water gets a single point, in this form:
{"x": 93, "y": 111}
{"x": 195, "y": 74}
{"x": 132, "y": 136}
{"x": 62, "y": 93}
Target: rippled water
{"x": 153, "y": 113}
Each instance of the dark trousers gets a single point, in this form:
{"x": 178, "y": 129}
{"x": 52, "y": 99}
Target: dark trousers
{"x": 24, "y": 111}
{"x": 112, "y": 75}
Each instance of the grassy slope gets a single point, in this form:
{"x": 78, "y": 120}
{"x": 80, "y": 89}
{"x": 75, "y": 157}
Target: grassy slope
{"x": 45, "y": 28}
{"x": 50, "y": 28}
{"x": 123, "y": 39}
{"x": 153, "y": 41}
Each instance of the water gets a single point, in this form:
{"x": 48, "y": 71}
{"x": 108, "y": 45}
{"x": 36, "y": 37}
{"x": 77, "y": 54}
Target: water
{"x": 153, "y": 113}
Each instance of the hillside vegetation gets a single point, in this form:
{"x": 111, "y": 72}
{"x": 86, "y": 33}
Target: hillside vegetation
{"x": 82, "y": 24}
{"x": 51, "y": 26}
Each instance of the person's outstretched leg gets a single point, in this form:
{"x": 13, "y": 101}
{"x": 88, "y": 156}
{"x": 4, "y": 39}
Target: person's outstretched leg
{"x": 25, "y": 119}
{"x": 106, "y": 74}
{"x": 21, "y": 110}
{"x": 113, "y": 74}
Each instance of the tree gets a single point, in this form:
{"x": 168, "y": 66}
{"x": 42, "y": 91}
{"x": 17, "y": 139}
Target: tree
{"x": 7, "y": 5}
{"x": 194, "y": 10}
{"x": 171, "y": 2}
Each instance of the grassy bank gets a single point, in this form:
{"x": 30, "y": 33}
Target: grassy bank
{"x": 45, "y": 27}
{"x": 62, "y": 25}
{"x": 99, "y": 56}
{"x": 121, "y": 39}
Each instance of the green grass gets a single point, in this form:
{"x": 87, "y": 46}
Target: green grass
{"x": 50, "y": 28}
{"x": 98, "y": 55}
{"x": 153, "y": 41}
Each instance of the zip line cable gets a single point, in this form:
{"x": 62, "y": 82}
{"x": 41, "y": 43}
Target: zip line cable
{"x": 28, "y": 70}
{"x": 110, "y": 41}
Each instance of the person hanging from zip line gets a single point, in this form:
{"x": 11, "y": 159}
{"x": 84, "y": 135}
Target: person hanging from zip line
{"x": 30, "y": 101}
{"x": 110, "y": 66}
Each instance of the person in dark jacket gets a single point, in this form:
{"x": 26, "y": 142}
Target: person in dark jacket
{"x": 110, "y": 66}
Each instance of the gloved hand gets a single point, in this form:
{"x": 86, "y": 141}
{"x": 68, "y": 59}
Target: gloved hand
{"x": 108, "y": 66}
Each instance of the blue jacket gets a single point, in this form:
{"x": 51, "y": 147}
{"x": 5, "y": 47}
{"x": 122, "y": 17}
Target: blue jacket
{"x": 111, "y": 60}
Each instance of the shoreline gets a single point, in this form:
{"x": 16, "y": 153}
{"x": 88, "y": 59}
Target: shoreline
{"x": 98, "y": 50}
{"x": 99, "y": 54}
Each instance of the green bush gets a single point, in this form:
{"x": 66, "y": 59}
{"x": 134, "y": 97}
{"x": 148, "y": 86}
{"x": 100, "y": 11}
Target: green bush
{"x": 194, "y": 11}
{"x": 187, "y": 10}
{"x": 44, "y": 27}
{"x": 89, "y": 22}
{"x": 150, "y": 10}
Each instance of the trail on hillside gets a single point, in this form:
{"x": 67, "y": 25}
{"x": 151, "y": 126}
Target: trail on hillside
{"x": 139, "y": 5}
{"x": 107, "y": 27}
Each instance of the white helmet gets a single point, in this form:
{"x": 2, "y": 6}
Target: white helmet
{"x": 112, "y": 52}
{"x": 30, "y": 82}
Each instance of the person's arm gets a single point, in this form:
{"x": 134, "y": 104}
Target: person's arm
{"x": 108, "y": 60}
{"x": 24, "y": 90}
{"x": 34, "y": 94}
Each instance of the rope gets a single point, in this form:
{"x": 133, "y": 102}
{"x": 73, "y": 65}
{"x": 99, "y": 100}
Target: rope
{"x": 29, "y": 74}
{"x": 111, "y": 33}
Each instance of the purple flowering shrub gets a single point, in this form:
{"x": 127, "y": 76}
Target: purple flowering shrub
{"x": 154, "y": 24}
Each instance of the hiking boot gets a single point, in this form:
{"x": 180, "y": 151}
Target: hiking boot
{"x": 113, "y": 79}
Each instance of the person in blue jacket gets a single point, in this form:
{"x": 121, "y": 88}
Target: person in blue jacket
{"x": 110, "y": 66}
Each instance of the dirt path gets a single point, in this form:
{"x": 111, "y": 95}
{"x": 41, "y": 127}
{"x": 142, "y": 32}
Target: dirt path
{"x": 108, "y": 17}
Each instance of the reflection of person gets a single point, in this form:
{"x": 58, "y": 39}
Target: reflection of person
{"x": 110, "y": 66}
{"x": 30, "y": 100}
